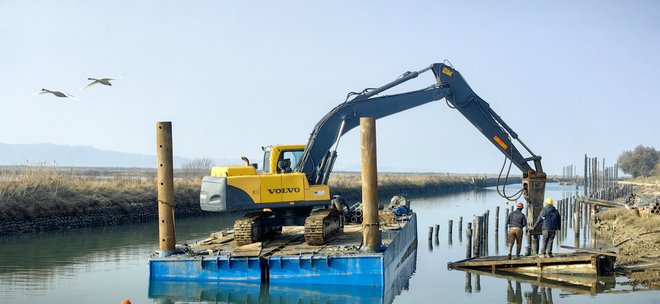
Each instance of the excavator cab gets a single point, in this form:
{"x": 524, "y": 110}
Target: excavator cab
{"x": 282, "y": 159}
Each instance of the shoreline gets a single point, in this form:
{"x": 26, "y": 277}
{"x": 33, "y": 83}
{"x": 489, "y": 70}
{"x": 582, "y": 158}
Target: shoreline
{"x": 634, "y": 235}
{"x": 105, "y": 210}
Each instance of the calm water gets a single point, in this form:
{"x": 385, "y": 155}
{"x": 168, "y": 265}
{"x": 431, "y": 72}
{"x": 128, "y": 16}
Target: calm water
{"x": 107, "y": 265}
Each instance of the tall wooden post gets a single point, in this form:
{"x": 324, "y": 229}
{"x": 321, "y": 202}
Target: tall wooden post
{"x": 449, "y": 230}
{"x": 596, "y": 179}
{"x": 616, "y": 174}
{"x": 165, "y": 188}
{"x": 485, "y": 234}
{"x": 460, "y": 229}
{"x": 585, "y": 175}
{"x": 370, "y": 231}
{"x": 497, "y": 219}
{"x": 468, "y": 238}
{"x": 476, "y": 235}
{"x": 603, "y": 182}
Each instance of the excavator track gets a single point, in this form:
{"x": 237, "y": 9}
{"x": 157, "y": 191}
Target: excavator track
{"x": 321, "y": 225}
{"x": 247, "y": 229}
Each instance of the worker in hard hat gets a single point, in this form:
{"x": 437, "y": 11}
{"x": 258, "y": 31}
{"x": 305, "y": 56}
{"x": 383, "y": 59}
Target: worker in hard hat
{"x": 551, "y": 221}
{"x": 517, "y": 222}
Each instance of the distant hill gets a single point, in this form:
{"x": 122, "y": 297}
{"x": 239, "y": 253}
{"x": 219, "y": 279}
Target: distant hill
{"x": 76, "y": 156}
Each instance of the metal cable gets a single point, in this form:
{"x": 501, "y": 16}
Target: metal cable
{"x": 503, "y": 194}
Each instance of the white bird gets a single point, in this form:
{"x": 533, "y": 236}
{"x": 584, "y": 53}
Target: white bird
{"x": 103, "y": 81}
{"x": 56, "y": 93}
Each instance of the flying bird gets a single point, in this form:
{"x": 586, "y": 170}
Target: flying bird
{"x": 56, "y": 93}
{"x": 103, "y": 81}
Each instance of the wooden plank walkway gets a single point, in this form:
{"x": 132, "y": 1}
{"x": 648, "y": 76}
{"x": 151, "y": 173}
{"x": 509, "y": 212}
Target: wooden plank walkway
{"x": 569, "y": 263}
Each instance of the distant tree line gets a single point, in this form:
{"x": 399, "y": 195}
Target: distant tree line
{"x": 642, "y": 161}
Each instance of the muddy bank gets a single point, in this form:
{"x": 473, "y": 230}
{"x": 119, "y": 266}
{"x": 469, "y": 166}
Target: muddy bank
{"x": 636, "y": 238}
{"x": 187, "y": 204}
{"x": 68, "y": 208}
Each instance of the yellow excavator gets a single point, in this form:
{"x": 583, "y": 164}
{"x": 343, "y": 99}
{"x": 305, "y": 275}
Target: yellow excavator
{"x": 292, "y": 187}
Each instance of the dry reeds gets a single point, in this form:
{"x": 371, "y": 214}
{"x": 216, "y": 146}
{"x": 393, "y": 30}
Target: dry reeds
{"x": 29, "y": 192}
{"x": 349, "y": 184}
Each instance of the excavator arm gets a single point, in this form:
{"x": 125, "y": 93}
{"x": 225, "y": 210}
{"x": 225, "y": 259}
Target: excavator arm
{"x": 318, "y": 158}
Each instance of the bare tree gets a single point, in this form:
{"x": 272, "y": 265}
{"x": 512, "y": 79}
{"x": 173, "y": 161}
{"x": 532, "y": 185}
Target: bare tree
{"x": 197, "y": 167}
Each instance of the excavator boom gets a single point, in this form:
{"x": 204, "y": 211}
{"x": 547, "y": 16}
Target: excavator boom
{"x": 317, "y": 159}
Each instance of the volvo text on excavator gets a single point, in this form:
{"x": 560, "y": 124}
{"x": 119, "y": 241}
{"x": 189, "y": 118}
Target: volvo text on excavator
{"x": 292, "y": 188}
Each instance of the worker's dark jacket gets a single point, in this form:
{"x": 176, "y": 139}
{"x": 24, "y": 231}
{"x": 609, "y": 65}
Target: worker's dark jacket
{"x": 550, "y": 218}
{"x": 517, "y": 219}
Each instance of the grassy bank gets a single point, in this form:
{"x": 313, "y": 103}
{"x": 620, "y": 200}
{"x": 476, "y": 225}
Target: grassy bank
{"x": 46, "y": 198}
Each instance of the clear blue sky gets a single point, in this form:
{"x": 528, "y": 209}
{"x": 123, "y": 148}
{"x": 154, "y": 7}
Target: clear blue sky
{"x": 233, "y": 76}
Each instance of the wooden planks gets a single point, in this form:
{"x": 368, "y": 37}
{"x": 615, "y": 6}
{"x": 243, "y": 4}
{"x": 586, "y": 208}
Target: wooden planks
{"x": 292, "y": 242}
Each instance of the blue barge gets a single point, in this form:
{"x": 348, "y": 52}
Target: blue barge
{"x": 287, "y": 259}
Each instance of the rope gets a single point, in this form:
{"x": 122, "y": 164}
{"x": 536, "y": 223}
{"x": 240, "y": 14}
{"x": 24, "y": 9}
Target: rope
{"x": 166, "y": 203}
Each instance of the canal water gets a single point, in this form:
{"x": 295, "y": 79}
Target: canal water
{"x": 108, "y": 265}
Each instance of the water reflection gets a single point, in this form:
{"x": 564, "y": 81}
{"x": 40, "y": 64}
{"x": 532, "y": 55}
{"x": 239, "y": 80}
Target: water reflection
{"x": 541, "y": 287}
{"x": 514, "y": 296}
{"x": 167, "y": 292}
{"x": 200, "y": 292}
{"x": 36, "y": 262}
{"x": 477, "y": 283}
{"x": 468, "y": 282}
{"x": 542, "y": 296}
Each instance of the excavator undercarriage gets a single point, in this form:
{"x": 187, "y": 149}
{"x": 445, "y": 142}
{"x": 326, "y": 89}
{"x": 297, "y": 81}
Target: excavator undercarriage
{"x": 251, "y": 227}
{"x": 320, "y": 226}
{"x": 323, "y": 224}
